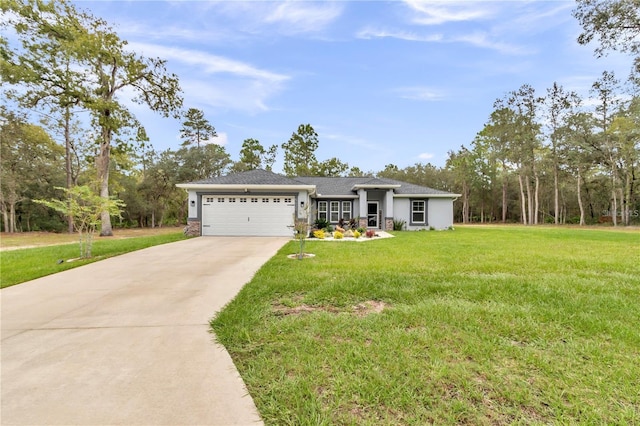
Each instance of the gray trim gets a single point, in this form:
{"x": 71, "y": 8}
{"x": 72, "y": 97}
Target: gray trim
{"x": 426, "y": 216}
{"x": 328, "y": 201}
{"x": 200, "y": 194}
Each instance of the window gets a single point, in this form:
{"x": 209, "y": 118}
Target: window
{"x": 243, "y": 200}
{"x": 265, "y": 200}
{"x": 287, "y": 200}
{"x": 346, "y": 211}
{"x": 221, "y": 200}
{"x": 418, "y": 211}
{"x": 254, "y": 200}
{"x": 209, "y": 199}
{"x": 276, "y": 200}
{"x": 335, "y": 211}
{"x": 322, "y": 210}
{"x": 232, "y": 200}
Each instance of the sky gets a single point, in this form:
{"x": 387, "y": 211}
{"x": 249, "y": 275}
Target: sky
{"x": 381, "y": 82}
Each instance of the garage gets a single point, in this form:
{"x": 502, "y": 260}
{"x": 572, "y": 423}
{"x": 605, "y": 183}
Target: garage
{"x": 253, "y": 215}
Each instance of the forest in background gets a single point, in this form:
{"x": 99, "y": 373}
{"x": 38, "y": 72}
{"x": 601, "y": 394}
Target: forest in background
{"x": 540, "y": 158}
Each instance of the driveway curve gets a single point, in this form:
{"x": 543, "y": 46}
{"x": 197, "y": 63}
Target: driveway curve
{"x": 126, "y": 340}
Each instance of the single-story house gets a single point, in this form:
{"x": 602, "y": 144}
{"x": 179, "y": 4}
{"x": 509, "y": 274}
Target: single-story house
{"x": 262, "y": 203}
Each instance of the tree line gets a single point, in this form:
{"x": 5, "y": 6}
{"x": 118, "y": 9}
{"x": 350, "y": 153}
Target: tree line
{"x": 549, "y": 159}
{"x": 553, "y": 158}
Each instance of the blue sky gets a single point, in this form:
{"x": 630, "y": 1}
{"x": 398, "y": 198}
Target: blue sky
{"x": 381, "y": 82}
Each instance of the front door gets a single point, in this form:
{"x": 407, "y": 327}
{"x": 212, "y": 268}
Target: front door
{"x": 372, "y": 214}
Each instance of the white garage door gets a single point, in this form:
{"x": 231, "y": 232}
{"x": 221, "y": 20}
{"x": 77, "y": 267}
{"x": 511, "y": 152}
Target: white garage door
{"x": 269, "y": 216}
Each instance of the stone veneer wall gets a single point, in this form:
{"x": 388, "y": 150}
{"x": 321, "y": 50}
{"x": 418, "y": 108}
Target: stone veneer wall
{"x": 192, "y": 229}
{"x": 362, "y": 223}
{"x": 388, "y": 224}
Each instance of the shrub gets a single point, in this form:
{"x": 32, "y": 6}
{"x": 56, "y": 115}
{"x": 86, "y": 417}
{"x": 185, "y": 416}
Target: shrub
{"x": 356, "y": 234}
{"x": 398, "y": 224}
{"x": 321, "y": 223}
{"x": 319, "y": 234}
{"x": 370, "y": 233}
{"x": 361, "y": 230}
{"x": 338, "y": 235}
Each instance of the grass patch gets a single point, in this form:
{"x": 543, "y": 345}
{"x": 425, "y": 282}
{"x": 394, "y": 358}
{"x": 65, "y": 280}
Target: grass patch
{"x": 18, "y": 266}
{"x": 477, "y": 326}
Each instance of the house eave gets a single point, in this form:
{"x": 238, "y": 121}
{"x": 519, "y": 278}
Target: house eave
{"x": 246, "y": 188}
{"x": 334, "y": 197}
{"x": 452, "y": 196}
{"x": 375, "y": 186}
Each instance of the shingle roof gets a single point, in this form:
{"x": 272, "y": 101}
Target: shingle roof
{"x": 325, "y": 186}
{"x": 333, "y": 185}
{"x": 409, "y": 188}
{"x": 344, "y": 185}
{"x": 251, "y": 177}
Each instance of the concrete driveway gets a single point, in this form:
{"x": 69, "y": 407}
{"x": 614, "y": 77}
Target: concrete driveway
{"x": 126, "y": 340}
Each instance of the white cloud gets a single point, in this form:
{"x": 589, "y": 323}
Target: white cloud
{"x": 370, "y": 33}
{"x": 208, "y": 62}
{"x": 426, "y": 156}
{"x": 218, "y": 82}
{"x": 222, "y": 139}
{"x": 439, "y": 12}
{"x": 419, "y": 93}
{"x": 478, "y": 39}
{"x": 222, "y": 94}
{"x": 287, "y": 17}
{"x": 483, "y": 40}
{"x": 534, "y": 19}
{"x": 300, "y": 17}
{"x": 173, "y": 31}
{"x": 350, "y": 140}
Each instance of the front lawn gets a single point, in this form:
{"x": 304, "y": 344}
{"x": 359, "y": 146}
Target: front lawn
{"x": 475, "y": 326}
{"x": 18, "y": 266}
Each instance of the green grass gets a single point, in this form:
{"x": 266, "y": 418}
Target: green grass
{"x": 506, "y": 325}
{"x": 18, "y": 266}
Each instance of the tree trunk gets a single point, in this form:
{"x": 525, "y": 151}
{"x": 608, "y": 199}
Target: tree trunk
{"x": 5, "y": 218}
{"x": 523, "y": 201}
{"x": 464, "y": 205}
{"x": 67, "y": 144}
{"x": 12, "y": 217}
{"x": 578, "y": 189}
{"x": 536, "y": 198}
{"x": 504, "y": 200}
{"x": 614, "y": 201}
{"x": 102, "y": 164}
{"x": 555, "y": 193}
{"x": 627, "y": 198}
{"x": 529, "y": 199}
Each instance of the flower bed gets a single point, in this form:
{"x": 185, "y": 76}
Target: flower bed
{"x": 321, "y": 235}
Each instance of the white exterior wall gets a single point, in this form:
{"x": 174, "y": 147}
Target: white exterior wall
{"x": 305, "y": 210}
{"x": 389, "y": 204}
{"x": 193, "y": 204}
{"x": 402, "y": 211}
{"x": 440, "y": 212}
{"x": 361, "y": 210}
